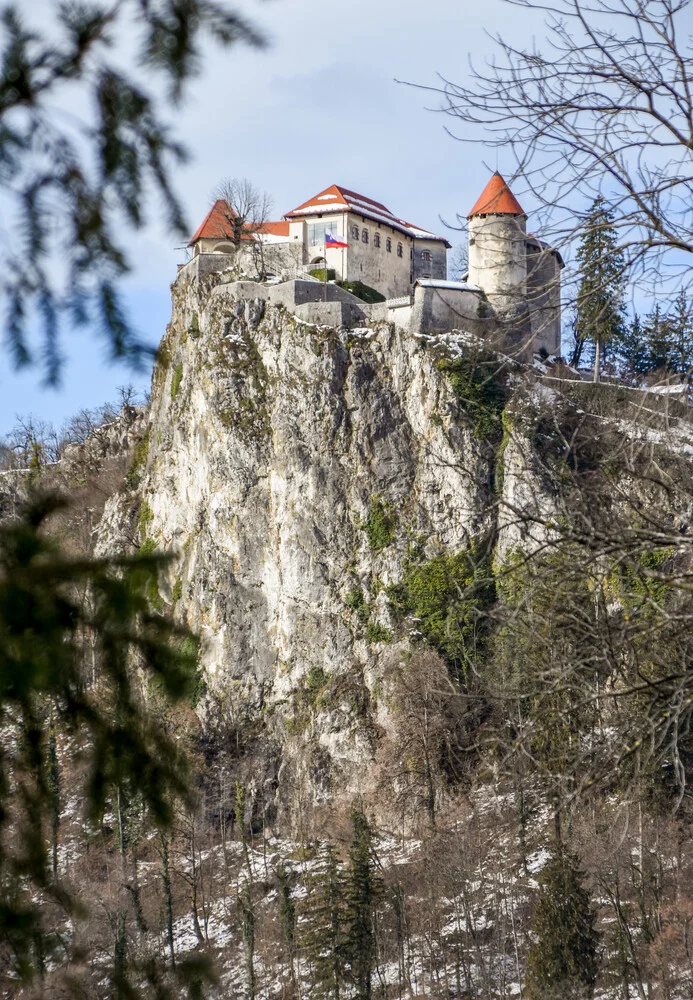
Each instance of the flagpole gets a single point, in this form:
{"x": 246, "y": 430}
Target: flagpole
{"x": 325, "y": 271}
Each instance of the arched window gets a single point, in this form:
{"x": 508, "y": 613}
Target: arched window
{"x": 364, "y": 236}
{"x": 376, "y": 240}
{"x": 355, "y": 232}
{"x": 388, "y": 245}
{"x": 400, "y": 250}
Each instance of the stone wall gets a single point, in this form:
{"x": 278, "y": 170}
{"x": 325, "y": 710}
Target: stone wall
{"x": 375, "y": 266}
{"x": 544, "y": 296}
{"x": 443, "y": 309}
{"x": 434, "y": 267}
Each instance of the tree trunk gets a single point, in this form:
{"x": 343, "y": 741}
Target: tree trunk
{"x": 166, "y": 875}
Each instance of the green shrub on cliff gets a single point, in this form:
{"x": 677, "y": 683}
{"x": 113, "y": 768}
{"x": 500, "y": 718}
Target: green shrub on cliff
{"x": 176, "y": 379}
{"x": 380, "y": 525}
{"x": 480, "y": 387}
{"x": 448, "y": 596}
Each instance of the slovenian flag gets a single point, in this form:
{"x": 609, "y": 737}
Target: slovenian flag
{"x": 333, "y": 241}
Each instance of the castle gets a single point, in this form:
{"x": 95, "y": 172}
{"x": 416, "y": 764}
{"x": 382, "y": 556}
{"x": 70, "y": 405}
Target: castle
{"x": 510, "y": 294}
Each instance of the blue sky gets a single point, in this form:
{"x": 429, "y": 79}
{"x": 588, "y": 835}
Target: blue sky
{"x": 319, "y": 106}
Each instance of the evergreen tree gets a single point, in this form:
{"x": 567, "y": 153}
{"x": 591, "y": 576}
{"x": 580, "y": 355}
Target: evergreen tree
{"x": 663, "y": 342}
{"x": 633, "y": 349}
{"x": 283, "y": 880}
{"x": 681, "y": 329}
{"x": 323, "y": 925}
{"x": 71, "y": 191}
{"x": 659, "y": 338}
{"x": 363, "y": 891}
{"x": 44, "y": 685}
{"x": 600, "y": 308}
{"x": 562, "y": 962}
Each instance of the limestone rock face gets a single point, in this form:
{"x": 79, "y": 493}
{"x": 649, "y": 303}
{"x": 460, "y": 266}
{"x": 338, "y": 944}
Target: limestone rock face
{"x": 271, "y": 444}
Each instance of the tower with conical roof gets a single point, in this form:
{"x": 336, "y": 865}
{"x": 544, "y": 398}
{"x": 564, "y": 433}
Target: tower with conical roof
{"x": 497, "y": 248}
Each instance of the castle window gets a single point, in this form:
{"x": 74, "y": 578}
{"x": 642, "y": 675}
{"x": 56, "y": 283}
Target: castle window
{"x": 400, "y": 250}
{"x": 316, "y": 231}
{"x": 355, "y": 232}
{"x": 388, "y": 245}
{"x": 364, "y": 236}
{"x": 425, "y": 256}
{"x": 376, "y": 240}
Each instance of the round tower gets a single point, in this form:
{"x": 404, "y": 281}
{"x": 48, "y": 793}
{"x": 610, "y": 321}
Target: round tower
{"x": 497, "y": 247}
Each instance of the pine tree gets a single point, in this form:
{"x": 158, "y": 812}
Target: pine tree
{"x": 681, "y": 327}
{"x": 363, "y": 891}
{"x": 73, "y": 190}
{"x": 663, "y": 342}
{"x": 600, "y": 308}
{"x": 46, "y": 690}
{"x": 562, "y": 962}
{"x": 323, "y": 925}
{"x": 633, "y": 349}
{"x": 283, "y": 880}
{"x": 659, "y": 338}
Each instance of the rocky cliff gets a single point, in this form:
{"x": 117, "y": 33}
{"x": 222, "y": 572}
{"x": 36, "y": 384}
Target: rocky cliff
{"x": 292, "y": 470}
{"x": 301, "y": 478}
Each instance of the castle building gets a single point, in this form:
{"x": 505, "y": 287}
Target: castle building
{"x": 510, "y": 295}
{"x": 382, "y": 251}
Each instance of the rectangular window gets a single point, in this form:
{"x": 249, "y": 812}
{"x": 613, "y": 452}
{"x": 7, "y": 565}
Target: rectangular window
{"x": 316, "y": 231}
{"x": 400, "y": 250}
{"x": 388, "y": 245}
{"x": 376, "y": 240}
{"x": 425, "y": 256}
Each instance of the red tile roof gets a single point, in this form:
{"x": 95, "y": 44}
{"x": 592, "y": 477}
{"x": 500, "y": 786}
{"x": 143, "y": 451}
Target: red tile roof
{"x": 274, "y": 228}
{"x": 215, "y": 225}
{"x": 497, "y": 199}
{"x": 339, "y": 199}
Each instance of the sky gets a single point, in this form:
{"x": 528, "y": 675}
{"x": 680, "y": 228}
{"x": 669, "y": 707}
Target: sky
{"x": 320, "y": 105}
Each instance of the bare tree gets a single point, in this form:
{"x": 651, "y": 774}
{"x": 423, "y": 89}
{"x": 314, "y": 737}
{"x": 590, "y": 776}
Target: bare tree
{"x": 603, "y": 109}
{"x": 247, "y": 209}
{"x": 458, "y": 262}
{"x": 245, "y": 212}
{"x": 424, "y": 717}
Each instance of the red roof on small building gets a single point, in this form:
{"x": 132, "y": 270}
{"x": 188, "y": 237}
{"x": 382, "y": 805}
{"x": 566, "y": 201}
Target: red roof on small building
{"x": 497, "y": 199}
{"x": 216, "y": 225}
{"x": 274, "y": 229}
